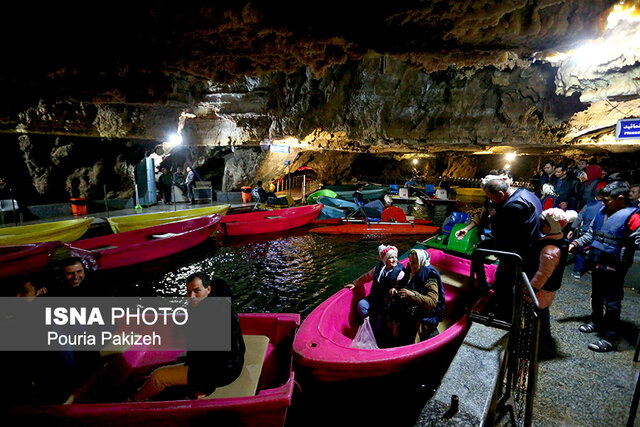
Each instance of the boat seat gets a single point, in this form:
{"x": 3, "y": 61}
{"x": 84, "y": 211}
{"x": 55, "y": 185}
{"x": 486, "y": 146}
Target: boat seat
{"x": 455, "y": 280}
{"x": 247, "y": 383}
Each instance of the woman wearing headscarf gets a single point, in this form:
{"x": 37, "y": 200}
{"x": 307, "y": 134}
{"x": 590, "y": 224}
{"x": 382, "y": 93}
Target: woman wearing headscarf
{"x": 386, "y": 275}
{"x": 418, "y": 304}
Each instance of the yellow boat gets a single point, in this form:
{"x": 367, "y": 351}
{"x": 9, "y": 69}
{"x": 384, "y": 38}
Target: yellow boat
{"x": 64, "y": 231}
{"x": 135, "y": 222}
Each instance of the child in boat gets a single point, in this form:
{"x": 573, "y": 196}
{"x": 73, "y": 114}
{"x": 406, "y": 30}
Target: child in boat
{"x": 203, "y": 371}
{"x": 418, "y": 302}
{"x": 386, "y": 275}
{"x": 548, "y": 267}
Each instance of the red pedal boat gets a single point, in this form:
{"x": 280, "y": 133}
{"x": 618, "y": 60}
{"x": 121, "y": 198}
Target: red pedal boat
{"x": 25, "y": 259}
{"x": 377, "y": 228}
{"x": 145, "y": 244}
{"x": 246, "y": 224}
{"x": 323, "y": 343}
{"x": 266, "y": 407}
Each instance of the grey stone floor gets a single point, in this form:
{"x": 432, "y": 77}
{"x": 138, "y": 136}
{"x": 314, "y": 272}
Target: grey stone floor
{"x": 582, "y": 387}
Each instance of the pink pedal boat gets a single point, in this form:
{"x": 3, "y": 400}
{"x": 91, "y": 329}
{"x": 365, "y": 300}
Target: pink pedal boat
{"x": 261, "y": 222}
{"x": 145, "y": 244}
{"x": 25, "y": 259}
{"x": 266, "y": 407}
{"x": 323, "y": 343}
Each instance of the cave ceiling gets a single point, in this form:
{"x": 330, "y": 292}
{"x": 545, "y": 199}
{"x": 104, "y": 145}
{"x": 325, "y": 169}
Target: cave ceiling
{"x": 401, "y": 76}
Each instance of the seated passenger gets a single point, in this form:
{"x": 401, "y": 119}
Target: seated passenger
{"x": 203, "y": 371}
{"x": 418, "y": 305}
{"x": 386, "y": 275}
{"x": 358, "y": 197}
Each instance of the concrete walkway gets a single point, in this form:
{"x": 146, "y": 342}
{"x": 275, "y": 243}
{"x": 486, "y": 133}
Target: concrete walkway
{"x": 576, "y": 387}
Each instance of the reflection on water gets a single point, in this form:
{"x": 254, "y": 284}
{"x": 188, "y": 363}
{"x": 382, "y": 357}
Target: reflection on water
{"x": 285, "y": 272}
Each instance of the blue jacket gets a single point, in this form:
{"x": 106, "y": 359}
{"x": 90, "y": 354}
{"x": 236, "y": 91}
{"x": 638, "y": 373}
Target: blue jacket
{"x": 610, "y": 237}
{"x": 380, "y": 289}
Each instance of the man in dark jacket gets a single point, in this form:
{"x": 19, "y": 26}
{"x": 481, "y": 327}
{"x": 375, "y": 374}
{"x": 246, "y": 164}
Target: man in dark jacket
{"x": 203, "y": 371}
{"x": 567, "y": 189}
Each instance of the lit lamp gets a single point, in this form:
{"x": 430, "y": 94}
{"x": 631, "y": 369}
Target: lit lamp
{"x": 175, "y": 139}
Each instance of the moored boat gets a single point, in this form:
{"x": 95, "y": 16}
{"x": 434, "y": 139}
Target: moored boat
{"x": 229, "y": 405}
{"x": 323, "y": 343}
{"x": 135, "y": 222}
{"x": 269, "y": 221}
{"x": 374, "y": 194}
{"x": 377, "y": 228}
{"x": 146, "y": 244}
{"x": 25, "y": 259}
{"x": 311, "y": 198}
{"x": 63, "y": 231}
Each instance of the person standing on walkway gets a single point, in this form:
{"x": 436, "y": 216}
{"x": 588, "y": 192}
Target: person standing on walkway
{"x": 190, "y": 182}
{"x": 515, "y": 225}
{"x": 612, "y": 238}
{"x": 166, "y": 183}
{"x": 549, "y": 257}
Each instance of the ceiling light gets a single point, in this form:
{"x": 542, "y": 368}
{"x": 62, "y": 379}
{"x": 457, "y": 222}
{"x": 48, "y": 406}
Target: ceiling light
{"x": 415, "y": 161}
{"x": 510, "y": 156}
{"x": 175, "y": 139}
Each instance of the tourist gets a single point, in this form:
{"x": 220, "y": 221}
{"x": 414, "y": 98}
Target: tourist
{"x": 78, "y": 281}
{"x": 579, "y": 227}
{"x": 386, "y": 275}
{"x": 634, "y": 195}
{"x": 259, "y": 193}
{"x": 190, "y": 183}
{"x": 547, "y": 175}
{"x": 588, "y": 188}
{"x": 165, "y": 182}
{"x": 179, "y": 181}
{"x": 549, "y": 257}
{"x": 566, "y": 187}
{"x": 358, "y": 197}
{"x": 202, "y": 371}
{"x": 417, "y": 305}
{"x": 612, "y": 238}
{"x": 514, "y": 226}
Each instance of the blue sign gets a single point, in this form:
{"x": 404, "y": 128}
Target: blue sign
{"x": 628, "y": 129}
{"x": 280, "y": 149}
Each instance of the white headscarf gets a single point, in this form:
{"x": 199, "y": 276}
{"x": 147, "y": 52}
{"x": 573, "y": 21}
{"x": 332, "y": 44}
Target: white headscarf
{"x": 423, "y": 257}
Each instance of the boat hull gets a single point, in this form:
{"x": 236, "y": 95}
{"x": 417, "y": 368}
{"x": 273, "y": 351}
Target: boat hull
{"x": 121, "y": 224}
{"x": 323, "y": 343}
{"x": 136, "y": 246}
{"x": 374, "y": 228}
{"x": 267, "y": 408}
{"x": 63, "y": 231}
{"x": 269, "y": 221}
{"x": 26, "y": 259}
{"x": 313, "y": 197}
{"x": 367, "y": 194}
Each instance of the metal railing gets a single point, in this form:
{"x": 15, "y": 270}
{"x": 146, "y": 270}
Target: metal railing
{"x": 518, "y": 376}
